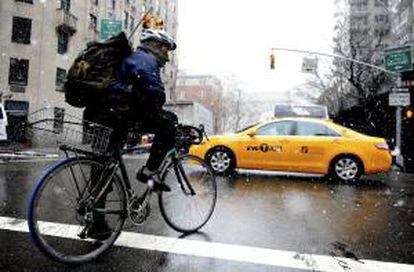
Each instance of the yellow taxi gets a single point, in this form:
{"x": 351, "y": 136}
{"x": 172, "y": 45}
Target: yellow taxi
{"x": 297, "y": 145}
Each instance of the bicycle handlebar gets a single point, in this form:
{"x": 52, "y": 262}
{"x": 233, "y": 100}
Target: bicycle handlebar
{"x": 186, "y": 136}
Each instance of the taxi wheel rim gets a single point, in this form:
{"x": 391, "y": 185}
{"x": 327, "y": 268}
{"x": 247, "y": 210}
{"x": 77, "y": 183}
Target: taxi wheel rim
{"x": 220, "y": 161}
{"x": 346, "y": 168}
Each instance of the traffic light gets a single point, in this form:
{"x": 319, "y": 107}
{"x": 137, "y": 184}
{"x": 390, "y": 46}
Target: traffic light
{"x": 158, "y": 23}
{"x": 409, "y": 113}
{"x": 272, "y": 61}
{"x": 152, "y": 22}
{"x": 146, "y": 20}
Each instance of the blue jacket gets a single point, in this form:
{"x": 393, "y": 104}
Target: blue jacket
{"x": 139, "y": 82}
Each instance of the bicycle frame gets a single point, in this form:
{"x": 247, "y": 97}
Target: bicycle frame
{"x": 116, "y": 162}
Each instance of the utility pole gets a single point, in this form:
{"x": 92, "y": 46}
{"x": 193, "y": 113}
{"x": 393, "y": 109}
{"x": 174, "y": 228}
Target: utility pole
{"x": 238, "y": 109}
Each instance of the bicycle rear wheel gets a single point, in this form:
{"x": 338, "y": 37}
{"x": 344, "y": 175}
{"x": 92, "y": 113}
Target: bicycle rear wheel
{"x": 62, "y": 211}
{"x": 193, "y": 195}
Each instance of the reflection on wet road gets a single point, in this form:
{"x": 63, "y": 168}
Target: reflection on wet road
{"x": 366, "y": 220}
{"x": 373, "y": 219}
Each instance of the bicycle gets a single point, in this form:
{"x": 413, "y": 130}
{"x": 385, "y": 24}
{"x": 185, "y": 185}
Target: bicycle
{"x": 89, "y": 183}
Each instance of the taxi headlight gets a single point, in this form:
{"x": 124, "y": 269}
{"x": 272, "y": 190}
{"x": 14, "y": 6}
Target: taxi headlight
{"x": 382, "y": 146}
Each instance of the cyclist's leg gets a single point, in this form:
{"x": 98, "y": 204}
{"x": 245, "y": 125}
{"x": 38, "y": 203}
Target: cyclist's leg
{"x": 162, "y": 124}
{"x": 99, "y": 228}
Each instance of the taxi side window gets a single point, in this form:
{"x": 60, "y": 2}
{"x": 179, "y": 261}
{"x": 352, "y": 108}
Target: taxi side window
{"x": 314, "y": 129}
{"x": 276, "y": 128}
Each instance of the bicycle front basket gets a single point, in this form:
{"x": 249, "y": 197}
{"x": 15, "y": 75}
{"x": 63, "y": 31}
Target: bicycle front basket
{"x": 52, "y": 126}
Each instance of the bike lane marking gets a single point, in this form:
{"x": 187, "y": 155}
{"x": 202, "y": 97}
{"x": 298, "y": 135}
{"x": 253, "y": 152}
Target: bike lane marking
{"x": 229, "y": 252}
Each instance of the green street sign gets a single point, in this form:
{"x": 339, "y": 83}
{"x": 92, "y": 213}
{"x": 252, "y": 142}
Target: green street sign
{"x": 110, "y": 28}
{"x": 398, "y": 59}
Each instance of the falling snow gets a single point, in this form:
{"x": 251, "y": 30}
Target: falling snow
{"x": 399, "y": 203}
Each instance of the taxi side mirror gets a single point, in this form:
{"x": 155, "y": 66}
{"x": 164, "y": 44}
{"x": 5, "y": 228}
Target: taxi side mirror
{"x": 252, "y": 133}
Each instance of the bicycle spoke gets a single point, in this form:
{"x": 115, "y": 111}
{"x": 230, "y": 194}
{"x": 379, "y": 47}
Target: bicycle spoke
{"x": 191, "y": 202}
{"x": 55, "y": 213}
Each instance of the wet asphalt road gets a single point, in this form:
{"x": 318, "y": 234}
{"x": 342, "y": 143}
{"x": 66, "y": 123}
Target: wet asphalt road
{"x": 373, "y": 219}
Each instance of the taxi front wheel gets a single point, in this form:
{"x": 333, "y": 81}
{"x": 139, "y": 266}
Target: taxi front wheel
{"x": 346, "y": 168}
{"x": 221, "y": 160}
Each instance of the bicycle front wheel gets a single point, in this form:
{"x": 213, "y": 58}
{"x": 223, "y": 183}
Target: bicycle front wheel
{"x": 64, "y": 210}
{"x": 191, "y": 201}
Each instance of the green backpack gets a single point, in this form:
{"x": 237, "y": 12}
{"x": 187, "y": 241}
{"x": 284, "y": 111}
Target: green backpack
{"x": 94, "y": 70}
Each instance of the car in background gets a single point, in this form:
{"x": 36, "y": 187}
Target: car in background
{"x": 306, "y": 145}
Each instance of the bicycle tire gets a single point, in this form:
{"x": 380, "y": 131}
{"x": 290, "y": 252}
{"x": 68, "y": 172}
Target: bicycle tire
{"x": 54, "y": 218}
{"x": 180, "y": 209}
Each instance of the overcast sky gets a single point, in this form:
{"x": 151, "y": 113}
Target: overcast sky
{"x": 224, "y": 37}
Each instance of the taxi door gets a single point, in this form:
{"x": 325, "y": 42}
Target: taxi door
{"x": 268, "y": 147}
{"x": 311, "y": 146}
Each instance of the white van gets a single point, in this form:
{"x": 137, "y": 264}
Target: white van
{"x": 3, "y": 123}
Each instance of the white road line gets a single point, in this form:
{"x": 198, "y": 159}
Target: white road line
{"x": 248, "y": 254}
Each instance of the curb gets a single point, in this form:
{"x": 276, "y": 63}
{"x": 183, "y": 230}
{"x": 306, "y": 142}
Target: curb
{"x": 25, "y": 155}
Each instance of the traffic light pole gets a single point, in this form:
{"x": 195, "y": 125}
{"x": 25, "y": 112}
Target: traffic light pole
{"x": 334, "y": 56}
{"x": 398, "y": 157}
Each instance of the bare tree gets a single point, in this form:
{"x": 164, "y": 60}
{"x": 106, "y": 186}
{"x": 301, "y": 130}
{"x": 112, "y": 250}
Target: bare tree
{"x": 347, "y": 83}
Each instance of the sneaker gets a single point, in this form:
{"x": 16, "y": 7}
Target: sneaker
{"x": 145, "y": 176}
{"x": 99, "y": 231}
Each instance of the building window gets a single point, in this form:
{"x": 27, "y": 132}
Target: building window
{"x": 113, "y": 4}
{"x": 25, "y": 1}
{"x": 65, "y": 4}
{"x": 18, "y": 71}
{"x": 63, "y": 41}
{"x": 60, "y": 77}
{"x": 93, "y": 22}
{"x": 58, "y": 120}
{"x": 381, "y": 18}
{"x": 95, "y": 2}
{"x": 126, "y": 20}
{"x": 22, "y": 29}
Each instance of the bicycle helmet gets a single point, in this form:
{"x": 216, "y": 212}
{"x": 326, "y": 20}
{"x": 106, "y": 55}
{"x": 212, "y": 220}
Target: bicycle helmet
{"x": 158, "y": 35}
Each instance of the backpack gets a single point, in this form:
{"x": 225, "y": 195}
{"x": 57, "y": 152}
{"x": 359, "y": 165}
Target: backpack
{"x": 93, "y": 71}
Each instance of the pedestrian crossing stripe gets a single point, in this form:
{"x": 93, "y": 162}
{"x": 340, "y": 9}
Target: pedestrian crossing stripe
{"x": 229, "y": 252}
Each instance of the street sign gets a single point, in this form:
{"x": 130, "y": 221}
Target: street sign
{"x": 400, "y": 90}
{"x": 398, "y": 59}
{"x": 399, "y": 99}
{"x": 110, "y": 28}
{"x": 309, "y": 65}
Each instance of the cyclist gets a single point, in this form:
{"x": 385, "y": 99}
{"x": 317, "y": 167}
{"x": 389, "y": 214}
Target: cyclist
{"x": 138, "y": 96}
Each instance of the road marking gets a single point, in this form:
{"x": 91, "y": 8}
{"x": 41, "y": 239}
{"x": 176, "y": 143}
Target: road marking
{"x": 248, "y": 254}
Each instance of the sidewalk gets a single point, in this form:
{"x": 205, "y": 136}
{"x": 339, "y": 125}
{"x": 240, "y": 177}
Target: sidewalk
{"x": 8, "y": 153}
